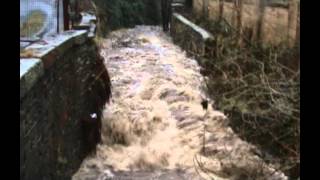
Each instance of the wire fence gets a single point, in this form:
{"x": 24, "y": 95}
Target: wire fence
{"x": 40, "y": 18}
{"x": 242, "y": 77}
{"x": 271, "y": 21}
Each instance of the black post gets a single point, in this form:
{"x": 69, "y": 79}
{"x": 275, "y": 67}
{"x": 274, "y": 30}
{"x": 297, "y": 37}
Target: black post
{"x": 189, "y": 3}
{"x": 166, "y": 13}
{"x": 66, "y": 14}
{"x": 58, "y": 8}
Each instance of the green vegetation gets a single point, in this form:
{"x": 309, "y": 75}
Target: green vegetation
{"x": 115, "y": 14}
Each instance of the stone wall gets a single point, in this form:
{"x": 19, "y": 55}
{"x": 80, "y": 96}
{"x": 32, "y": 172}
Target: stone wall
{"x": 63, "y": 88}
{"x": 192, "y": 38}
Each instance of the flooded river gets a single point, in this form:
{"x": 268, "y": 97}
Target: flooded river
{"x": 155, "y": 127}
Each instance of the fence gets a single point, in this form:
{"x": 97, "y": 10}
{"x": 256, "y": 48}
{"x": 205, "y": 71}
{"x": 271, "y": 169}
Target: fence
{"x": 268, "y": 21}
{"x": 39, "y": 18}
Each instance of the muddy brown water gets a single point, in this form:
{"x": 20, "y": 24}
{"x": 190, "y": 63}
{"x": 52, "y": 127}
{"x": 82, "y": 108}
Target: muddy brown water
{"x": 155, "y": 126}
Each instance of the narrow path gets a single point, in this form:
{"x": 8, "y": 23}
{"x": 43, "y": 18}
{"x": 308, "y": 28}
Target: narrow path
{"x": 154, "y": 127}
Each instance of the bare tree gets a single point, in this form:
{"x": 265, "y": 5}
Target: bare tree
{"x": 113, "y": 14}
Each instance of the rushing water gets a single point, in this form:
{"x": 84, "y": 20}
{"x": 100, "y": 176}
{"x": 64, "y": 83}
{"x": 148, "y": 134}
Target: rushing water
{"x": 154, "y": 127}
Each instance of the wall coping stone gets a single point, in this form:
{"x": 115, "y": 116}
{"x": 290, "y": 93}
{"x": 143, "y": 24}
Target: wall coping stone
{"x": 44, "y": 53}
{"x": 205, "y": 34}
{"x": 88, "y": 22}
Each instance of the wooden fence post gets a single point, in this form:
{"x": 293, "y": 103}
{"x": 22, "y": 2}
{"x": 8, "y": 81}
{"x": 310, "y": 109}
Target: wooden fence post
{"x": 239, "y": 9}
{"x": 292, "y": 20}
{"x": 66, "y": 14}
{"x": 221, "y": 4}
{"x": 205, "y": 8}
{"x": 298, "y": 27}
{"x": 260, "y": 20}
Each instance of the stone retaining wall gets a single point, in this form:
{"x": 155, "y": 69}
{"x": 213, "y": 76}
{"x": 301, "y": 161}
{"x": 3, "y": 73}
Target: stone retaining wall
{"x": 63, "y": 87}
{"x": 192, "y": 38}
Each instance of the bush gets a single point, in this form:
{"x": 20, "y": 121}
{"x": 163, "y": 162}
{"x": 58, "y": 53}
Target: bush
{"x": 258, "y": 87}
{"x": 115, "y": 14}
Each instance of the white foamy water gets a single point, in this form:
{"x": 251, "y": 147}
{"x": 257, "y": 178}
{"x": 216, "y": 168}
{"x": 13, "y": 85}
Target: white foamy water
{"x": 156, "y": 120}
